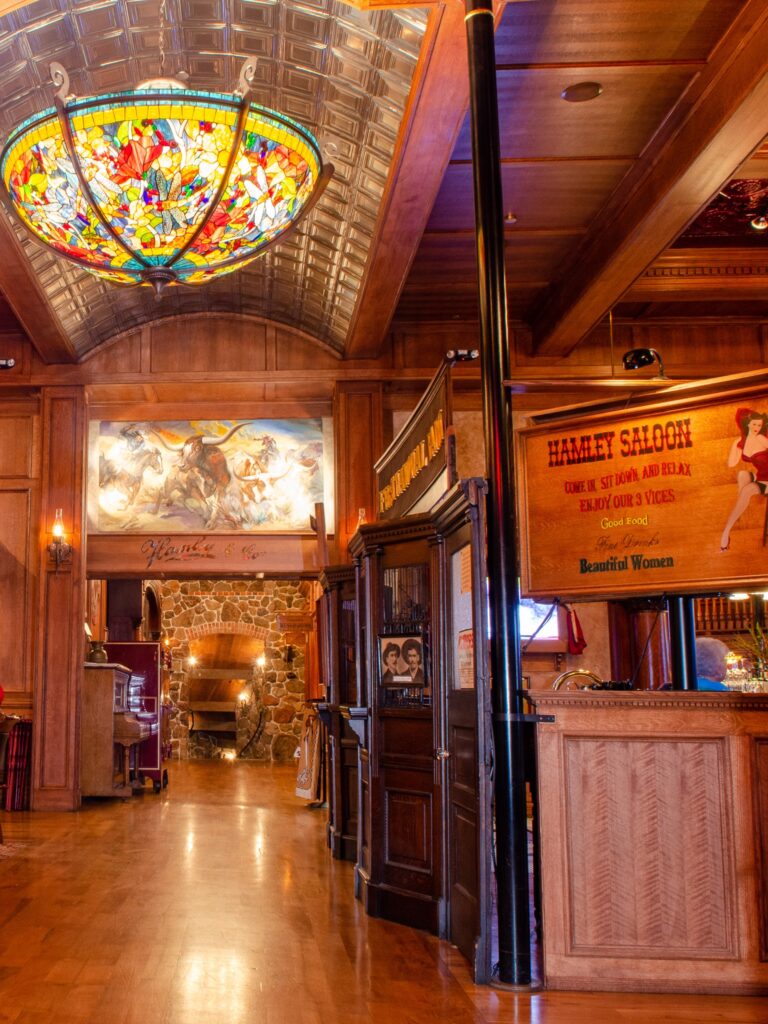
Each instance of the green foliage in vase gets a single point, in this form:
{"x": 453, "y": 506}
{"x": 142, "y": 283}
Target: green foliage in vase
{"x": 754, "y": 645}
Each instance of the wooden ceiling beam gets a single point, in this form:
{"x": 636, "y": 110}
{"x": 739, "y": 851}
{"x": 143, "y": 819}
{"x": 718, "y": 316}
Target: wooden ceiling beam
{"x": 28, "y": 301}
{"x": 715, "y": 126}
{"x": 438, "y": 105}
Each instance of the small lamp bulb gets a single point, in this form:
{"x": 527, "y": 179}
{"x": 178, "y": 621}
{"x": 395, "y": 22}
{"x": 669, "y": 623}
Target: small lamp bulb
{"x": 58, "y": 524}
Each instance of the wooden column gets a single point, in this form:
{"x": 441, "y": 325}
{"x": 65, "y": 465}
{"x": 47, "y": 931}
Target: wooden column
{"x": 358, "y": 440}
{"x": 509, "y": 728}
{"x": 60, "y": 638}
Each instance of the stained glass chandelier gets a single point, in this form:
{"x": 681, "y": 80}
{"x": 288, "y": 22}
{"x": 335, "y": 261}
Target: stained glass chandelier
{"x": 161, "y": 184}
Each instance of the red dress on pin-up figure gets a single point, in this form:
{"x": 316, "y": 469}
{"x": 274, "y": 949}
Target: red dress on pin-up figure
{"x": 751, "y": 447}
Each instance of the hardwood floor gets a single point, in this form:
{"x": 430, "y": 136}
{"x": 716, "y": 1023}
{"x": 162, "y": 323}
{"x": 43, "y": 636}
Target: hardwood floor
{"x": 217, "y": 903}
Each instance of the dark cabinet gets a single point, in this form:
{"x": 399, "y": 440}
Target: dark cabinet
{"x": 338, "y": 667}
{"x": 423, "y": 722}
{"x": 399, "y": 867}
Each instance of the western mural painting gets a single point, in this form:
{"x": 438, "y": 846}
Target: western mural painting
{"x": 208, "y": 475}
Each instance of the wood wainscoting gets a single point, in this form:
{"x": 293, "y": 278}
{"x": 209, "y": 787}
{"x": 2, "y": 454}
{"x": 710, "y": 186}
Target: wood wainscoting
{"x": 653, "y": 841}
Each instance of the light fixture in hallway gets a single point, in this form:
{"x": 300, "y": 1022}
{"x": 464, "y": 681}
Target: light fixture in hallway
{"x": 161, "y": 184}
{"x": 59, "y": 550}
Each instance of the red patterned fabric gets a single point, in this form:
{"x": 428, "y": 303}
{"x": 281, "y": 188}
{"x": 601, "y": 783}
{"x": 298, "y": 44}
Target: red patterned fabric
{"x": 18, "y": 767}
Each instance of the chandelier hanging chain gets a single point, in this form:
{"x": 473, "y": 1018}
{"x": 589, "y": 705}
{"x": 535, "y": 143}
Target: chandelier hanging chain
{"x": 162, "y": 37}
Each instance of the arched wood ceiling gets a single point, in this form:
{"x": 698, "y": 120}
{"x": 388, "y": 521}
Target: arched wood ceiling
{"x": 342, "y": 72}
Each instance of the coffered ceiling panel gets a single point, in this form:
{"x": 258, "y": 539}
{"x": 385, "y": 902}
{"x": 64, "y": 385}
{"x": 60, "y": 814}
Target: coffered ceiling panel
{"x": 343, "y": 73}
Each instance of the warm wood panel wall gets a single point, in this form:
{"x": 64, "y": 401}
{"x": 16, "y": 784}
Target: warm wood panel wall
{"x": 761, "y": 841}
{"x": 19, "y": 482}
{"x": 689, "y": 350}
{"x": 61, "y": 609}
{"x": 214, "y": 345}
{"x": 357, "y": 417}
{"x": 628, "y": 874}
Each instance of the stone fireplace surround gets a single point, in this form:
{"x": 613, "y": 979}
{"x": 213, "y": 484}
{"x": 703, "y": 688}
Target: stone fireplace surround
{"x": 191, "y": 609}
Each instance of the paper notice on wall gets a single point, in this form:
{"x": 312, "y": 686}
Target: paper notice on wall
{"x": 465, "y": 569}
{"x": 465, "y": 660}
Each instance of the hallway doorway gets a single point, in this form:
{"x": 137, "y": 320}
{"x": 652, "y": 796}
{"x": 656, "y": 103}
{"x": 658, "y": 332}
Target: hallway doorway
{"x": 237, "y": 658}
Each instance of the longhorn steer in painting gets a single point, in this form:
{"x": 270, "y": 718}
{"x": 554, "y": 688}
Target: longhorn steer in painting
{"x": 201, "y": 477}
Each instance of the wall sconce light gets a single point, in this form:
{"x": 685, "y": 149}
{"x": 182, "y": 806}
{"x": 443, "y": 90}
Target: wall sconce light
{"x": 637, "y": 357}
{"x": 59, "y": 550}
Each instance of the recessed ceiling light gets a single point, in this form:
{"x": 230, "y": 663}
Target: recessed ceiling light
{"x": 580, "y": 92}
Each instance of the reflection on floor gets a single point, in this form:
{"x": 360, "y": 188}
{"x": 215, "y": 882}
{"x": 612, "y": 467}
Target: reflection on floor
{"x": 216, "y": 902}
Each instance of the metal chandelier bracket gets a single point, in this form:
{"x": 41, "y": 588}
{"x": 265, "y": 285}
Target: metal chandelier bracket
{"x": 161, "y": 184}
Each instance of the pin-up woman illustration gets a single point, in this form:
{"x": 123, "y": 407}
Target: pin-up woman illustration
{"x": 750, "y": 450}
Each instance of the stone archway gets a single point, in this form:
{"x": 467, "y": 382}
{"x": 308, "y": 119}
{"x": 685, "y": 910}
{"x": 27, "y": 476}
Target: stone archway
{"x": 268, "y": 728}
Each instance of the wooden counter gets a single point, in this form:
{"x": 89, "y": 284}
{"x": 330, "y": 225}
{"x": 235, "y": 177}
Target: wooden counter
{"x": 654, "y": 841}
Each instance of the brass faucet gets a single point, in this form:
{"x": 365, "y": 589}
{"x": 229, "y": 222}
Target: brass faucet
{"x": 575, "y": 673}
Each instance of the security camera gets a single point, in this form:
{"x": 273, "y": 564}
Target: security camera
{"x": 7, "y": 364}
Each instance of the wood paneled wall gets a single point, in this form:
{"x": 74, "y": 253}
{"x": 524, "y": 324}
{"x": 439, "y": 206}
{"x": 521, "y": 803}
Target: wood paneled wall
{"x": 210, "y": 366}
{"x": 358, "y": 425}
{"x": 61, "y": 611}
{"x": 761, "y": 839}
{"x": 19, "y": 484}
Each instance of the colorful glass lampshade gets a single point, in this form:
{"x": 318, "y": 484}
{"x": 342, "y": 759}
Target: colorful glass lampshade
{"x": 163, "y": 183}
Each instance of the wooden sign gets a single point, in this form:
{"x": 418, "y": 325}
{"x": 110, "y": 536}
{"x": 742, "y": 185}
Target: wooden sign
{"x": 418, "y": 455}
{"x": 201, "y": 555}
{"x": 670, "y": 497}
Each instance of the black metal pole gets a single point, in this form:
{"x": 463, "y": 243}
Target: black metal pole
{"x": 682, "y": 636}
{"x": 506, "y": 696}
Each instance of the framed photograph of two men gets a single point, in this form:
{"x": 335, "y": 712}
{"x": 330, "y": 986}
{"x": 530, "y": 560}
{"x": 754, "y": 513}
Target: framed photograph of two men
{"x": 402, "y": 662}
